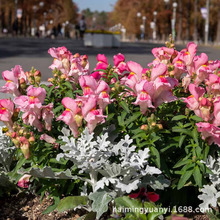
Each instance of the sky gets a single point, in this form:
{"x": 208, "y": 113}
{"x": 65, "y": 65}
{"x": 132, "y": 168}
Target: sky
{"x": 99, "y": 5}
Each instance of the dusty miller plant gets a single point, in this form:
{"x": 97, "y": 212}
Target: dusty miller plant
{"x": 113, "y": 166}
{"x": 211, "y": 193}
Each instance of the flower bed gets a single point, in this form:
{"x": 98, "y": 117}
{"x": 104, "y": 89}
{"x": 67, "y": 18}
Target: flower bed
{"x": 120, "y": 141}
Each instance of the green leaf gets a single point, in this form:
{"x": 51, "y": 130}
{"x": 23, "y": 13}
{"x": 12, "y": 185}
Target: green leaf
{"x": 156, "y": 154}
{"x": 71, "y": 202}
{"x": 115, "y": 75}
{"x": 206, "y": 152}
{"x": 100, "y": 202}
{"x": 182, "y": 162}
{"x": 133, "y": 118}
{"x": 182, "y": 130}
{"x": 58, "y": 109}
{"x": 80, "y": 92}
{"x": 196, "y": 118}
{"x": 128, "y": 88}
{"x": 68, "y": 85}
{"x": 52, "y": 207}
{"x": 90, "y": 216}
{"x": 124, "y": 105}
{"x": 125, "y": 201}
{"x": 182, "y": 138}
{"x": 44, "y": 87}
{"x": 50, "y": 91}
{"x": 178, "y": 117}
{"x": 69, "y": 93}
{"x": 197, "y": 176}
{"x": 184, "y": 178}
{"x": 195, "y": 135}
{"x": 110, "y": 116}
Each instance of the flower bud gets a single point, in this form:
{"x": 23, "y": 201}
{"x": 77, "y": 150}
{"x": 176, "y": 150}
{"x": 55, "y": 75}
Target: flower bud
{"x": 160, "y": 126}
{"x": 144, "y": 127}
{"x": 16, "y": 142}
{"x": 31, "y": 140}
{"x": 13, "y": 135}
{"x": 113, "y": 89}
{"x": 153, "y": 124}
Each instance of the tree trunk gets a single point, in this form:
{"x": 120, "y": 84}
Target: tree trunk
{"x": 179, "y": 33}
{"x": 188, "y": 20}
{"x": 218, "y": 27}
{"x": 195, "y": 20}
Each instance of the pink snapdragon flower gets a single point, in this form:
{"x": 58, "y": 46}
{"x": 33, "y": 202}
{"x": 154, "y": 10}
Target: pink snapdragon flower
{"x": 202, "y": 69}
{"x": 135, "y": 75}
{"x": 33, "y": 101}
{"x": 119, "y": 61}
{"x": 88, "y": 84}
{"x": 6, "y": 112}
{"x": 193, "y": 100}
{"x": 163, "y": 54}
{"x": 179, "y": 67}
{"x": 25, "y": 147}
{"x": 102, "y": 91}
{"x": 24, "y": 181}
{"x": 79, "y": 67}
{"x": 71, "y": 116}
{"x": 92, "y": 115}
{"x": 158, "y": 70}
{"x": 62, "y": 59}
{"x": 213, "y": 84}
{"x": 209, "y": 132}
{"x": 163, "y": 93}
{"x": 189, "y": 53}
{"x": 12, "y": 80}
{"x": 31, "y": 118}
{"x": 144, "y": 92}
{"x": 48, "y": 115}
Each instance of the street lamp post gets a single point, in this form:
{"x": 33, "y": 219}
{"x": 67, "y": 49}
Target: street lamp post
{"x": 144, "y": 25}
{"x": 34, "y": 22}
{"x": 16, "y": 7}
{"x": 155, "y": 28}
{"x": 207, "y": 22}
{"x": 174, "y": 20}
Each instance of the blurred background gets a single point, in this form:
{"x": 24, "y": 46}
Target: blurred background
{"x": 187, "y": 20}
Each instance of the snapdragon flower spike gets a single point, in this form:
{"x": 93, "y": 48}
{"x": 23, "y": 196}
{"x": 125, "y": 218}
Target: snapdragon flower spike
{"x": 163, "y": 54}
{"x": 12, "y": 79}
{"x": 6, "y": 112}
{"x": 71, "y": 116}
{"x": 144, "y": 100}
{"x": 24, "y": 181}
{"x": 92, "y": 115}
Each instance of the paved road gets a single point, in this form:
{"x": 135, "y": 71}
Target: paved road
{"x": 33, "y": 52}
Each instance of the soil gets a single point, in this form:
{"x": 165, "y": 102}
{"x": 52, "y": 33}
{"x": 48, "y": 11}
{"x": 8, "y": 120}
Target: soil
{"x": 29, "y": 207}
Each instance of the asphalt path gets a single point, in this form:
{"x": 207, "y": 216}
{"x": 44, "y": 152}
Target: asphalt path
{"x": 29, "y": 52}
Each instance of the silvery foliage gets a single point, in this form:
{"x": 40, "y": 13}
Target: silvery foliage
{"x": 97, "y": 157}
{"x": 5, "y": 159}
{"x": 6, "y": 151}
{"x": 211, "y": 193}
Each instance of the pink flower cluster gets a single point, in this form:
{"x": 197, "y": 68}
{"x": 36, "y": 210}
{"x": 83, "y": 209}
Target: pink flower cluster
{"x": 150, "y": 87}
